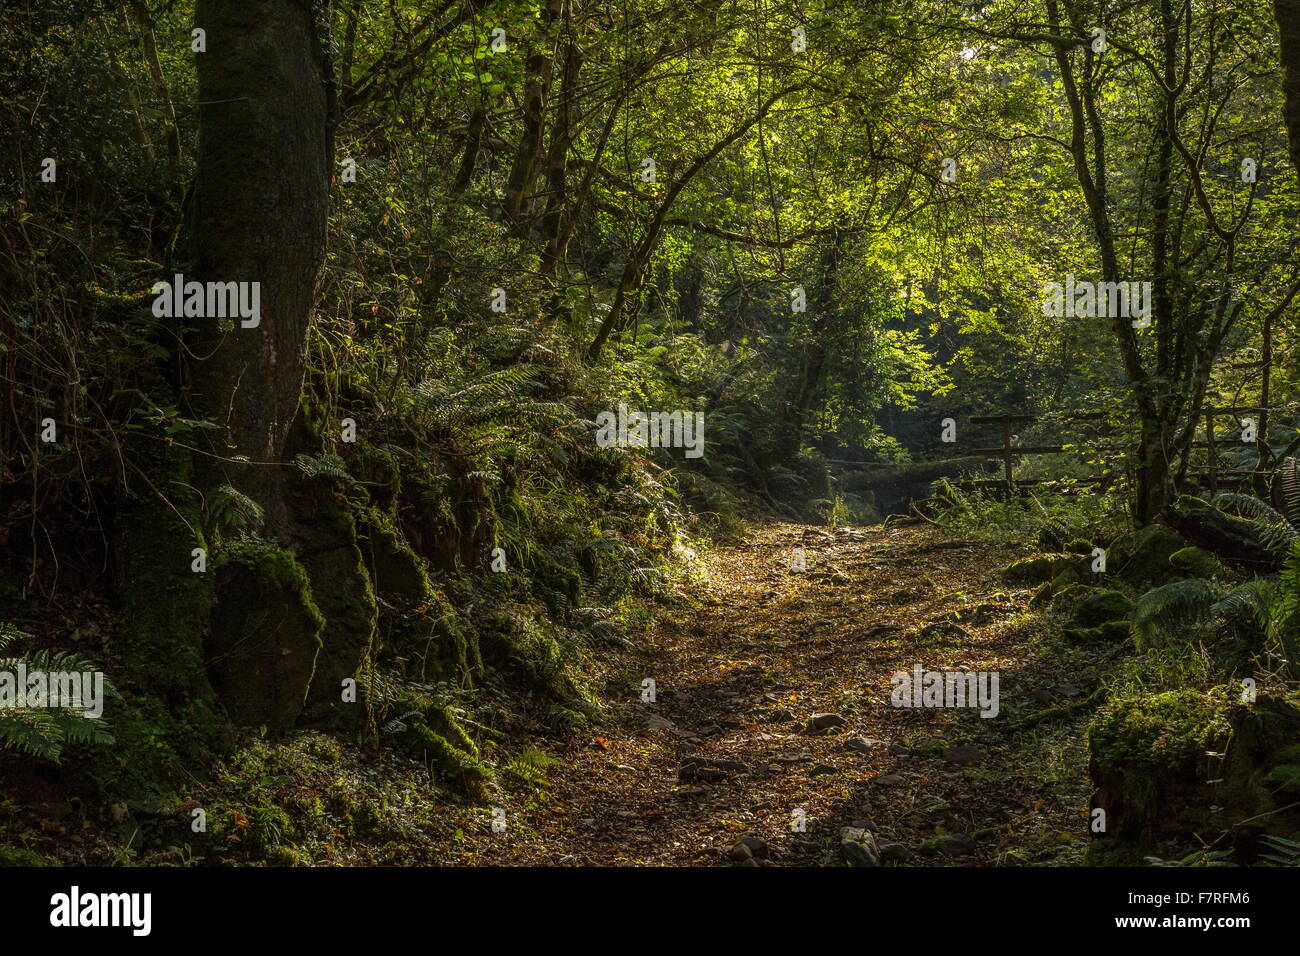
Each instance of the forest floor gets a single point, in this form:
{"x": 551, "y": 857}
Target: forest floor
{"x": 725, "y": 750}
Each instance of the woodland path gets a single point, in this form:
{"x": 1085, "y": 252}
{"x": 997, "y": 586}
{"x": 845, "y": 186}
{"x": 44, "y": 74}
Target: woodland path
{"x": 715, "y": 758}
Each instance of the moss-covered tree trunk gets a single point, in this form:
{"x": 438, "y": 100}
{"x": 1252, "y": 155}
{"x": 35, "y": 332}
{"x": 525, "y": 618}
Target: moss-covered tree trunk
{"x": 292, "y": 602}
{"x": 1287, "y": 13}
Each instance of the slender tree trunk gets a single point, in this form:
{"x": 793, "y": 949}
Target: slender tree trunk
{"x": 1287, "y": 13}
{"x": 537, "y": 68}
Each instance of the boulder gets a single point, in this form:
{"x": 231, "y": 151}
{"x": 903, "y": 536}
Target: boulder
{"x": 1189, "y": 765}
{"x": 1099, "y": 607}
{"x": 1142, "y": 557}
{"x": 858, "y": 845}
{"x": 1196, "y": 563}
{"x": 1037, "y": 568}
{"x": 1233, "y": 539}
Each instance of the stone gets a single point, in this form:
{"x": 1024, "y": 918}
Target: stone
{"x": 740, "y": 853}
{"x": 859, "y": 846}
{"x": 1173, "y": 765}
{"x": 1036, "y": 569}
{"x": 894, "y": 853}
{"x": 956, "y": 844}
{"x": 1142, "y": 557}
{"x": 1100, "y": 608}
{"x": 862, "y": 745}
{"x": 1197, "y": 563}
{"x": 756, "y": 844}
{"x": 962, "y": 754}
{"x": 826, "y": 721}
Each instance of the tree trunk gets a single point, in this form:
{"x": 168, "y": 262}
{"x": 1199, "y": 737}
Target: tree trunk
{"x": 1287, "y": 13}
{"x": 295, "y": 613}
{"x": 260, "y": 195}
{"x": 538, "y": 68}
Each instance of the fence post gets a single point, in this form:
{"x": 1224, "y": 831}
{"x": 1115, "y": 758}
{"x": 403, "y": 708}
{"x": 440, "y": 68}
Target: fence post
{"x": 1211, "y": 453}
{"x": 1006, "y": 454}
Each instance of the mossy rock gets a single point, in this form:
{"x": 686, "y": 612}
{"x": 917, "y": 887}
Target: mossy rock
{"x": 1037, "y": 568}
{"x": 1189, "y": 765}
{"x": 1067, "y": 578}
{"x": 1234, "y": 539}
{"x": 167, "y": 603}
{"x": 1142, "y": 557}
{"x": 437, "y": 736}
{"x": 1196, "y": 563}
{"x": 1110, "y": 632}
{"x": 1071, "y": 594}
{"x": 265, "y": 636}
{"x": 325, "y": 539}
{"x": 436, "y": 642}
{"x": 397, "y": 571}
{"x": 1100, "y": 607}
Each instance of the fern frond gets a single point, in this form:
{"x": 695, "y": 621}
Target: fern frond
{"x": 329, "y": 466}
{"x": 1250, "y": 602}
{"x": 1177, "y": 603}
{"x": 1288, "y": 483}
{"x": 1272, "y": 528}
{"x": 230, "y": 510}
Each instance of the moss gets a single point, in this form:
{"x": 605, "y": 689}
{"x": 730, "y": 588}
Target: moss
{"x": 266, "y": 634}
{"x": 1096, "y": 609}
{"x": 379, "y": 469}
{"x": 1285, "y": 777}
{"x": 1034, "y": 569}
{"x": 1196, "y": 563}
{"x": 1071, "y": 594}
{"x": 14, "y": 856}
{"x": 326, "y": 539}
{"x": 286, "y": 856}
{"x": 167, "y": 603}
{"x": 1065, "y": 579}
{"x": 1111, "y": 632}
{"x": 1160, "y": 730}
{"x": 155, "y": 750}
{"x": 1113, "y": 853}
{"x": 397, "y": 571}
{"x": 1142, "y": 557}
{"x": 524, "y": 645}
{"x": 460, "y": 767}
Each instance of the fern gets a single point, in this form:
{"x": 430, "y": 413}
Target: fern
{"x": 1274, "y": 531}
{"x": 42, "y": 732}
{"x": 329, "y": 466}
{"x": 1284, "y": 618}
{"x": 230, "y": 510}
{"x": 1288, "y": 484}
{"x": 1285, "y": 852}
{"x": 1189, "y": 601}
